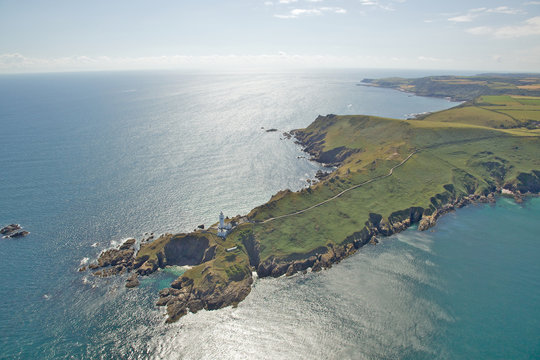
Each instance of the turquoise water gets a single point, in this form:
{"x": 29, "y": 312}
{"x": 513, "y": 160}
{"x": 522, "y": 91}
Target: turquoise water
{"x": 98, "y": 157}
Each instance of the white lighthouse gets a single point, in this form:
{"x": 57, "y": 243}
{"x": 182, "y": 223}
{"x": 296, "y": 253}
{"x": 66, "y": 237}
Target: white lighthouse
{"x": 223, "y": 229}
{"x": 221, "y": 221}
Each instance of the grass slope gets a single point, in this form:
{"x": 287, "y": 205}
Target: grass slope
{"x": 469, "y": 158}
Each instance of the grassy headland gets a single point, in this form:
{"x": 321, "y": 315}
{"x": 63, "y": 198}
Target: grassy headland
{"x": 390, "y": 173}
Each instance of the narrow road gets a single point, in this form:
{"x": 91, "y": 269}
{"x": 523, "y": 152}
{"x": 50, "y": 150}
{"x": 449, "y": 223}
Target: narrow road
{"x": 343, "y": 192}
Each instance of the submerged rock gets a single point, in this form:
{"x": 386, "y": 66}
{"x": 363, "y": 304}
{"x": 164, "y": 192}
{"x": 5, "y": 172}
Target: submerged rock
{"x": 17, "y": 234}
{"x": 132, "y": 281}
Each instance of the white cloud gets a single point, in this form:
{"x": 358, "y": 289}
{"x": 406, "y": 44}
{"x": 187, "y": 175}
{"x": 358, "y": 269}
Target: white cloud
{"x": 298, "y": 12}
{"x": 285, "y": 16}
{"x": 295, "y": 13}
{"x": 287, "y": 1}
{"x": 505, "y": 10}
{"x": 480, "y": 30}
{"x": 474, "y": 13}
{"x": 532, "y": 3}
{"x": 376, "y": 3}
{"x": 12, "y": 59}
{"x": 530, "y": 27}
{"x": 463, "y": 18}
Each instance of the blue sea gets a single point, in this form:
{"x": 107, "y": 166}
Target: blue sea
{"x": 89, "y": 159}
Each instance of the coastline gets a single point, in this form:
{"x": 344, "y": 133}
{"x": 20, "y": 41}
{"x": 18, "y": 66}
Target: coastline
{"x": 184, "y": 296}
{"x": 374, "y": 227}
{"x": 363, "y": 153}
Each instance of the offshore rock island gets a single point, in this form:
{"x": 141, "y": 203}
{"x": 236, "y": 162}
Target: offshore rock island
{"x": 390, "y": 173}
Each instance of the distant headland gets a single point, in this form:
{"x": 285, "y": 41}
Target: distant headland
{"x": 390, "y": 174}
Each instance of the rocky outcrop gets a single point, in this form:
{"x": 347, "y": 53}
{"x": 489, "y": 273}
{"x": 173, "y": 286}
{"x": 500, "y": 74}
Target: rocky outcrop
{"x": 114, "y": 261}
{"x": 430, "y": 220}
{"x": 13, "y": 231}
{"x": 128, "y": 244}
{"x": 324, "y": 258}
{"x": 10, "y": 229}
{"x": 147, "y": 267}
{"x": 113, "y": 257}
{"x": 110, "y": 271}
{"x": 18, "y": 234}
{"x": 132, "y": 281}
{"x": 184, "y": 296}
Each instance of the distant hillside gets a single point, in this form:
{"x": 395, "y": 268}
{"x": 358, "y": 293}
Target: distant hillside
{"x": 464, "y": 88}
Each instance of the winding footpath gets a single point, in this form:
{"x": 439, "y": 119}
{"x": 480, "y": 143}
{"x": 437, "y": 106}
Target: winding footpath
{"x": 343, "y": 192}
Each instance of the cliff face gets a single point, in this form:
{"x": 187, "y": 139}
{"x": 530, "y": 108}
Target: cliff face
{"x": 187, "y": 250}
{"x": 527, "y": 182}
{"x": 314, "y": 143}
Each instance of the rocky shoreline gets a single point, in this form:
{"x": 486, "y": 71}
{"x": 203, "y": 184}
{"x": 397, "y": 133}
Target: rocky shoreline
{"x": 370, "y": 234}
{"x": 200, "y": 247}
{"x": 221, "y": 273}
{"x": 184, "y": 296}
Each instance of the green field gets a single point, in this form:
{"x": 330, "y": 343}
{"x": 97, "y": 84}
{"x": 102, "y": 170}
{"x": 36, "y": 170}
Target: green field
{"x": 496, "y": 111}
{"x": 468, "y": 157}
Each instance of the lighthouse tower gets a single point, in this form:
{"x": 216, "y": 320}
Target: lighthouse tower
{"x": 221, "y": 220}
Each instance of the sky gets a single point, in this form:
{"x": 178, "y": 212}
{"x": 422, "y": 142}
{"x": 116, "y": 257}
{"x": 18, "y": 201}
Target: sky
{"x": 75, "y": 35}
